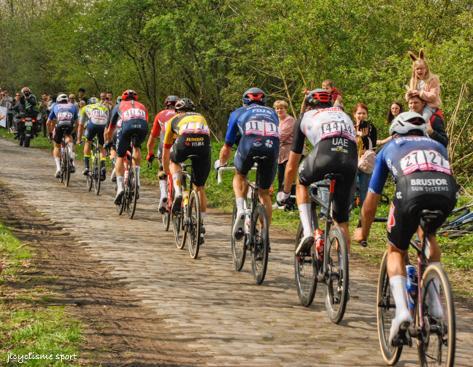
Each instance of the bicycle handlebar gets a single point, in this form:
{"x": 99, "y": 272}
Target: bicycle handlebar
{"x": 220, "y": 171}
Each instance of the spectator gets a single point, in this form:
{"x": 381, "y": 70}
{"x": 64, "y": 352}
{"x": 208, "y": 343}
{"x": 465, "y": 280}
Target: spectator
{"x": 72, "y": 99}
{"x": 44, "y": 111}
{"x": 286, "y": 127}
{"x": 110, "y": 101}
{"x": 366, "y": 140}
{"x": 81, "y": 95}
{"x": 7, "y": 102}
{"x": 424, "y": 84}
{"x": 435, "y": 125}
{"x": 335, "y": 94}
{"x": 394, "y": 110}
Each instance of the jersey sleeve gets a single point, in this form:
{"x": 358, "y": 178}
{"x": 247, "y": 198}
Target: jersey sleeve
{"x": 232, "y": 129}
{"x": 52, "y": 114}
{"x": 156, "y": 127}
{"x": 380, "y": 173}
{"x": 114, "y": 117}
{"x": 168, "y": 135}
{"x": 298, "y": 137}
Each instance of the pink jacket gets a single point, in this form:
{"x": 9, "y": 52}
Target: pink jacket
{"x": 431, "y": 92}
{"x": 286, "y": 128}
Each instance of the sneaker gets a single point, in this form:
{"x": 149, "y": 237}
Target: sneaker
{"x": 399, "y": 324}
{"x": 85, "y": 172}
{"x": 103, "y": 174}
{"x": 58, "y": 174}
{"x": 163, "y": 205}
{"x": 176, "y": 205}
{"x": 305, "y": 244}
{"x": 238, "y": 231}
{"x": 118, "y": 197}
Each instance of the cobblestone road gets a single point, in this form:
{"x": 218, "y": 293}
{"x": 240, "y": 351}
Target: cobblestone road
{"x": 220, "y": 316}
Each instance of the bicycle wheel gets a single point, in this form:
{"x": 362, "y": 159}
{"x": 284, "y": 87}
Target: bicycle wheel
{"x": 194, "y": 224}
{"x": 63, "y": 165}
{"x": 385, "y": 313}
{"x": 436, "y": 347}
{"x": 96, "y": 172}
{"x": 166, "y": 218}
{"x": 238, "y": 247}
{"x": 132, "y": 193}
{"x": 67, "y": 167}
{"x": 260, "y": 248}
{"x": 338, "y": 275}
{"x": 305, "y": 270}
{"x": 89, "y": 181}
{"x": 176, "y": 220}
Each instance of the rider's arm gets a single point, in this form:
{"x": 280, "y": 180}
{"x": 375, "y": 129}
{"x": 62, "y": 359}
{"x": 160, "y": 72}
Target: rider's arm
{"x": 167, "y": 144}
{"x": 291, "y": 170}
{"x": 153, "y": 136}
{"x": 225, "y": 153}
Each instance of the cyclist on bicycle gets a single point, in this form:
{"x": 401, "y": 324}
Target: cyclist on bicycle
{"x": 331, "y": 132}
{"x": 424, "y": 180}
{"x": 134, "y": 123}
{"x": 159, "y": 129}
{"x": 187, "y": 136}
{"x": 257, "y": 127}
{"x": 93, "y": 118}
{"x": 65, "y": 114}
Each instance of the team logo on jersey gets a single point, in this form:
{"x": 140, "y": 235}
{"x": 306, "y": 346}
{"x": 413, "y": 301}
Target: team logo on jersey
{"x": 257, "y": 143}
{"x": 268, "y": 143}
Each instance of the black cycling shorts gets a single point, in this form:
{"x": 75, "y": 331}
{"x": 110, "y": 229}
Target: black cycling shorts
{"x": 339, "y": 156}
{"x": 251, "y": 147}
{"x": 92, "y": 130}
{"x": 195, "y": 147}
{"x": 62, "y": 129}
{"x": 414, "y": 193}
{"x": 137, "y": 128}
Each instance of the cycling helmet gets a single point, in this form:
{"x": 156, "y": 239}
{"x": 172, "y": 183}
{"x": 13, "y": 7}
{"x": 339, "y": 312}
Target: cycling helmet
{"x": 129, "y": 94}
{"x": 25, "y": 90}
{"x": 92, "y": 100}
{"x": 318, "y": 97}
{"x": 184, "y": 105}
{"x": 119, "y": 99}
{"x": 254, "y": 95}
{"x": 61, "y": 98}
{"x": 407, "y": 122}
{"x": 171, "y": 101}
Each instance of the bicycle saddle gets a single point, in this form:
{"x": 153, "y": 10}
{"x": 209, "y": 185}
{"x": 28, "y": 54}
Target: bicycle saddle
{"x": 429, "y": 216}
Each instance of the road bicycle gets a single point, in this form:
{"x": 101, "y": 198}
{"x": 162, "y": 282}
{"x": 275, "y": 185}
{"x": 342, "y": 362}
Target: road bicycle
{"x": 459, "y": 223}
{"x": 187, "y": 221}
{"x": 328, "y": 264}
{"x": 130, "y": 184}
{"x": 256, "y": 230}
{"x": 66, "y": 162}
{"x": 93, "y": 177}
{"x": 433, "y": 327}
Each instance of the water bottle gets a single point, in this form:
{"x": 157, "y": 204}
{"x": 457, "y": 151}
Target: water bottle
{"x": 411, "y": 285}
{"x": 319, "y": 242}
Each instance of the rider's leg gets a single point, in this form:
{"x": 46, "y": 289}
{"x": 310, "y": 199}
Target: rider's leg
{"x": 103, "y": 159}
{"x": 70, "y": 146}
{"x": 57, "y": 156}
{"x": 240, "y": 187}
{"x": 137, "y": 162}
{"x": 176, "y": 172}
{"x": 119, "y": 170}
{"x": 265, "y": 199}
{"x": 86, "y": 157}
{"x": 345, "y": 232}
{"x": 305, "y": 214}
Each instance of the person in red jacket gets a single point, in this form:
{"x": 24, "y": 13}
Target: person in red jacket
{"x": 158, "y": 130}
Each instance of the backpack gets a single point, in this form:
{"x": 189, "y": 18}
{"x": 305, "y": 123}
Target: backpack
{"x": 437, "y": 113}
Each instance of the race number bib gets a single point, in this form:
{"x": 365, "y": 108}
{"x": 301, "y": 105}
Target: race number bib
{"x": 424, "y": 160}
{"x": 261, "y": 128}
{"x": 134, "y": 114}
{"x": 64, "y": 116}
{"x": 193, "y": 127}
{"x": 98, "y": 117}
{"x": 336, "y": 128}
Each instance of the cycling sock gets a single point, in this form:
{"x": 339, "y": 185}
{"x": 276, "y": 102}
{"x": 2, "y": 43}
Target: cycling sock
{"x": 86, "y": 161}
{"x": 176, "y": 180}
{"x": 58, "y": 163}
{"x": 240, "y": 203}
{"x": 398, "y": 289}
{"x": 119, "y": 183}
{"x": 163, "y": 188}
{"x": 137, "y": 173}
{"x": 71, "y": 151}
{"x": 306, "y": 219}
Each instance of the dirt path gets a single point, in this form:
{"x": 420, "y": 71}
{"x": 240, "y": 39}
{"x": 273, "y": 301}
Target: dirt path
{"x": 147, "y": 303}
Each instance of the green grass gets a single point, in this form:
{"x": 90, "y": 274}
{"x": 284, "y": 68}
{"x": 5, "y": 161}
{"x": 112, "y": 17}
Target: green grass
{"x": 29, "y": 328}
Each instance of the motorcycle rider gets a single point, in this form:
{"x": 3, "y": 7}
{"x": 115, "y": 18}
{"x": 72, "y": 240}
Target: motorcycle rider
{"x": 25, "y": 107}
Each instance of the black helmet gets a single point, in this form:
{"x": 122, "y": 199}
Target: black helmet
{"x": 171, "y": 100}
{"x": 184, "y": 105}
{"x": 254, "y": 95}
{"x": 318, "y": 97}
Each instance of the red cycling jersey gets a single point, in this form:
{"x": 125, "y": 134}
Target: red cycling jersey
{"x": 132, "y": 110}
{"x": 159, "y": 122}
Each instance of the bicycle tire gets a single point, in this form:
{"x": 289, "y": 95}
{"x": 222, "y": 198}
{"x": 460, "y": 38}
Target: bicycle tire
{"x": 432, "y": 272}
{"x": 260, "y": 245}
{"x": 238, "y": 247}
{"x": 62, "y": 166}
{"x": 194, "y": 224}
{"x": 96, "y": 172}
{"x": 132, "y": 193}
{"x": 306, "y": 285}
{"x": 67, "y": 166}
{"x": 166, "y": 218}
{"x": 177, "y": 230}
{"x": 385, "y": 312}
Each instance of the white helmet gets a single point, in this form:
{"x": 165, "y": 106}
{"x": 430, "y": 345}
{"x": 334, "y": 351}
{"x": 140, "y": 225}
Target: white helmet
{"x": 406, "y": 122}
{"x": 61, "y": 98}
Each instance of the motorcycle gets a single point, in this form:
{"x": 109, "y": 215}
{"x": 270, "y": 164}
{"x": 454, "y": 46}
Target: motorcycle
{"x": 26, "y": 130}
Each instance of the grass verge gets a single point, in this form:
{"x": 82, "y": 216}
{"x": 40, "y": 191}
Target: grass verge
{"x": 32, "y": 333}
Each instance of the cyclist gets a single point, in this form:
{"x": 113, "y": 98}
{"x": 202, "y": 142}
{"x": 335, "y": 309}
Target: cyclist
{"x": 424, "y": 180}
{"x": 332, "y": 134}
{"x": 188, "y": 135}
{"x": 257, "y": 127}
{"x": 134, "y": 122}
{"x": 113, "y": 143}
{"x": 66, "y": 115}
{"x": 94, "y": 117}
{"x": 159, "y": 129}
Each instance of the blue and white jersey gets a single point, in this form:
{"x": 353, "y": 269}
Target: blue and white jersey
{"x": 405, "y": 155}
{"x": 251, "y": 122}
{"x": 64, "y": 113}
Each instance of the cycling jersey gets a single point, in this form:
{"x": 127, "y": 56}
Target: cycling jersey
{"x": 96, "y": 113}
{"x": 128, "y": 111}
{"x": 423, "y": 178}
{"x": 159, "y": 124}
{"x": 64, "y": 113}
{"x": 189, "y": 123}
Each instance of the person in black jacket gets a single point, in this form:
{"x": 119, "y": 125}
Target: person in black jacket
{"x": 27, "y": 103}
{"x": 435, "y": 126}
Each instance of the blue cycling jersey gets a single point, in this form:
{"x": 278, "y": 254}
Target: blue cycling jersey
{"x": 251, "y": 121}
{"x": 64, "y": 112}
{"x": 405, "y": 155}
